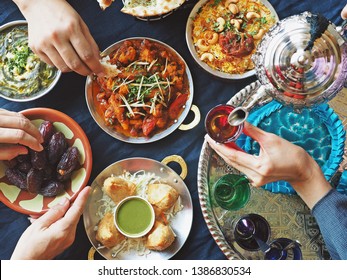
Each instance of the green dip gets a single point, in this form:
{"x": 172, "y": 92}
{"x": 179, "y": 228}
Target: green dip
{"x": 22, "y": 73}
{"x": 134, "y": 216}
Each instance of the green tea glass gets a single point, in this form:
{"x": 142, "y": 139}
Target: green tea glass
{"x": 232, "y": 191}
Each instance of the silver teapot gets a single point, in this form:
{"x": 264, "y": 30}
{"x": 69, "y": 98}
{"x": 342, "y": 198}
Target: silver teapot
{"x": 300, "y": 62}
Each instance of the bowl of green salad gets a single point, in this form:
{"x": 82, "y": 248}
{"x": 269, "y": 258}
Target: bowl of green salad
{"x": 23, "y": 76}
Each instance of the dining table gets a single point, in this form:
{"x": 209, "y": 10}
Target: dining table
{"x": 68, "y": 96}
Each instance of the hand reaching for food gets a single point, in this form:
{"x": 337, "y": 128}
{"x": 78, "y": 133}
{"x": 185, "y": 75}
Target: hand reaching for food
{"x": 16, "y": 134}
{"x": 278, "y": 159}
{"x": 53, "y": 232}
{"x": 344, "y": 12}
{"x": 59, "y": 36}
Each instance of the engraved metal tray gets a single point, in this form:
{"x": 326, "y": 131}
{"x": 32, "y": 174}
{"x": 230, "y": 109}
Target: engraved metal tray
{"x": 287, "y": 215}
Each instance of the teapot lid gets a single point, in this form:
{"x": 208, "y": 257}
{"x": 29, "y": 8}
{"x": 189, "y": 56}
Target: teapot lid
{"x": 299, "y": 57}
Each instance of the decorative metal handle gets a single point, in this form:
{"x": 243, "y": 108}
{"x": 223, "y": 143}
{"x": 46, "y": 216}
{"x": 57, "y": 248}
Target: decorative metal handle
{"x": 343, "y": 28}
{"x": 195, "y": 121}
{"x": 180, "y": 161}
{"x": 91, "y": 253}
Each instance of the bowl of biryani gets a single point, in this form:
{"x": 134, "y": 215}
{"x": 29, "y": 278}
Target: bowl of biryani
{"x": 146, "y": 93}
{"x": 23, "y": 76}
{"x": 222, "y": 35}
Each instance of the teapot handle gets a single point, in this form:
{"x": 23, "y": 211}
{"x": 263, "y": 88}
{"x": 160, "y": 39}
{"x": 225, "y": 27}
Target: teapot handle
{"x": 343, "y": 28}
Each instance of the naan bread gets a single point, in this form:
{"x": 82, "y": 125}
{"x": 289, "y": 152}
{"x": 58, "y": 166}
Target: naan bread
{"x": 148, "y": 8}
{"x": 110, "y": 70}
{"x": 105, "y": 3}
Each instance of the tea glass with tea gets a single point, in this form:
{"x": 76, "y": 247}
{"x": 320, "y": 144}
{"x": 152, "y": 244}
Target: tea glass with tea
{"x": 231, "y": 191}
{"x": 218, "y": 126}
{"x": 248, "y": 227}
{"x": 252, "y": 233}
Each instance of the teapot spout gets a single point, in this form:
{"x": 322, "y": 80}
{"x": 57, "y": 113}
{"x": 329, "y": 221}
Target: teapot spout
{"x": 240, "y": 114}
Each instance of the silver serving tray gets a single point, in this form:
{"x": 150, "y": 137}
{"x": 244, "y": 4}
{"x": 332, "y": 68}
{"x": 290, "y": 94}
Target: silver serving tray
{"x": 43, "y": 91}
{"x": 287, "y": 215}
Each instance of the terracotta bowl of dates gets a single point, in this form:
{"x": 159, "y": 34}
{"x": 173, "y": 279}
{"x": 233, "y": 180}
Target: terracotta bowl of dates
{"x": 33, "y": 183}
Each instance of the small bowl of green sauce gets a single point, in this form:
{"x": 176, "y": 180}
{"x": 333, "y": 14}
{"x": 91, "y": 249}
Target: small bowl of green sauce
{"x": 134, "y": 216}
{"x": 23, "y": 75}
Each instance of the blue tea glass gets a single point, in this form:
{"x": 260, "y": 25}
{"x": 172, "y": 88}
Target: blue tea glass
{"x": 284, "y": 249}
{"x": 252, "y": 232}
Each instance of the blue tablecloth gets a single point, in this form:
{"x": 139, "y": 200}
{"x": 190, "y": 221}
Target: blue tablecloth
{"x": 68, "y": 96}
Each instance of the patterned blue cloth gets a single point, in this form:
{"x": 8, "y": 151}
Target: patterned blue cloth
{"x": 318, "y": 130}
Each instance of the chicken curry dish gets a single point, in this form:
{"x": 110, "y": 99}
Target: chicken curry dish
{"x": 145, "y": 88}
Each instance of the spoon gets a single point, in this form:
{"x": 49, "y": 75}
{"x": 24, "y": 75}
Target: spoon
{"x": 264, "y": 247}
{"x": 277, "y": 252}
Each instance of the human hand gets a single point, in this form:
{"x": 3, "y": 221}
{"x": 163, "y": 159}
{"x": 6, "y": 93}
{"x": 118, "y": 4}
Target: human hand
{"x": 278, "y": 159}
{"x": 344, "y": 12}
{"x": 17, "y": 133}
{"x": 53, "y": 232}
{"x": 59, "y": 36}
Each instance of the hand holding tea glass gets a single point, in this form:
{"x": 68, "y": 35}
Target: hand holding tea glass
{"x": 278, "y": 159}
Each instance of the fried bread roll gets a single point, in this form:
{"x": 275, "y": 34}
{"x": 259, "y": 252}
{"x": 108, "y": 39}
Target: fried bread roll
{"x": 118, "y": 188}
{"x": 160, "y": 215}
{"x": 162, "y": 196}
{"x": 107, "y": 233}
{"x": 160, "y": 237}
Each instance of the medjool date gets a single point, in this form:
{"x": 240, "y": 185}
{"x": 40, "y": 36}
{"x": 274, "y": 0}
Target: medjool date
{"x": 22, "y": 158}
{"x": 16, "y": 178}
{"x": 11, "y": 163}
{"x": 34, "y": 180}
{"x": 24, "y": 166}
{"x": 48, "y": 172}
{"x": 67, "y": 164}
{"x": 47, "y": 130}
{"x": 38, "y": 159}
{"x": 56, "y": 147}
{"x": 44, "y": 172}
{"x": 52, "y": 188}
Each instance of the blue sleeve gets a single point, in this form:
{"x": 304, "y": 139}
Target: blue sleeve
{"x": 331, "y": 215}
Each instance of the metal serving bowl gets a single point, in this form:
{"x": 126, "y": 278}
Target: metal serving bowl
{"x": 137, "y": 140}
{"x": 189, "y": 30}
{"x": 30, "y": 96}
{"x": 181, "y": 223}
